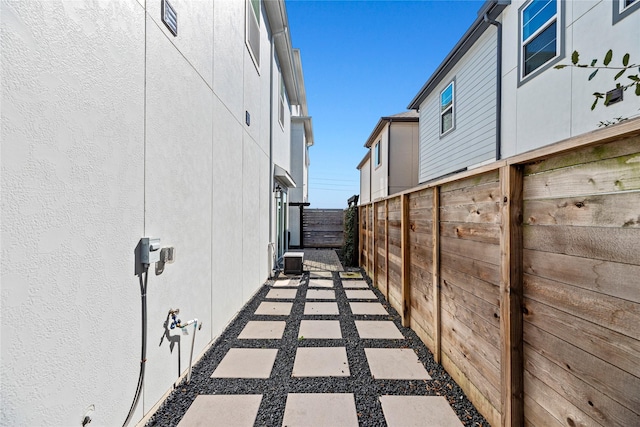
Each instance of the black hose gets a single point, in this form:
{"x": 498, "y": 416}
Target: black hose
{"x": 143, "y": 358}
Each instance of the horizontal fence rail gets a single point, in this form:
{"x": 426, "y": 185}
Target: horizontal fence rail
{"x": 523, "y": 279}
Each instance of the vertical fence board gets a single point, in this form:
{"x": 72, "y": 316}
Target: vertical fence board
{"x": 406, "y": 290}
{"x": 435, "y": 281}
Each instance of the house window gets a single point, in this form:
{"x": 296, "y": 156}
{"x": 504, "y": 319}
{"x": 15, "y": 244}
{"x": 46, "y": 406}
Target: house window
{"x": 540, "y": 35}
{"x": 447, "y": 101}
{"x": 281, "y": 105}
{"x": 376, "y": 154}
{"x": 623, "y": 8}
{"x": 252, "y": 36}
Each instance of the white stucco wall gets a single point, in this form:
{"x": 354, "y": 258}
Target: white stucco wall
{"x": 555, "y": 104}
{"x": 403, "y": 156}
{"x": 365, "y": 182}
{"x": 113, "y": 129}
{"x": 380, "y": 173}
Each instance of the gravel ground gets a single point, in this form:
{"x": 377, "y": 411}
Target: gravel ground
{"x": 275, "y": 389}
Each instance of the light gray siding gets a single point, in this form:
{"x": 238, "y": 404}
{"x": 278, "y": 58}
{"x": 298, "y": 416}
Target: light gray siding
{"x": 473, "y": 139}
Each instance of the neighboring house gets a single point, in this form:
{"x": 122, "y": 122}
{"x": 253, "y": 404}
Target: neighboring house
{"x": 115, "y": 126}
{"x": 391, "y": 163}
{"x": 496, "y": 94}
{"x": 301, "y": 140}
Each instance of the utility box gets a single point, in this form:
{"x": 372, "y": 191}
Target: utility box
{"x": 293, "y": 262}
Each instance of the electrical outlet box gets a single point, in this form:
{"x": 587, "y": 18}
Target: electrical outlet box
{"x": 149, "y": 250}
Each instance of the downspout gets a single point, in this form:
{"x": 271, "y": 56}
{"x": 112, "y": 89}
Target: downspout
{"x": 498, "y": 26}
{"x": 388, "y": 157}
{"x": 270, "y": 247}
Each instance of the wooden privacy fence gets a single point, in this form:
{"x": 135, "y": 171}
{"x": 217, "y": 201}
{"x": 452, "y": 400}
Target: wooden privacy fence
{"x": 536, "y": 261}
{"x": 323, "y": 228}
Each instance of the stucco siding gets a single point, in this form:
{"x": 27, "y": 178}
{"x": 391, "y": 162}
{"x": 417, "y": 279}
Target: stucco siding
{"x": 403, "y": 156}
{"x": 365, "y": 182}
{"x": 473, "y": 139}
{"x": 380, "y": 173}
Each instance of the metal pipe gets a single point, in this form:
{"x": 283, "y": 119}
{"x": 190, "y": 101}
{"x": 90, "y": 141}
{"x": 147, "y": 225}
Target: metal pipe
{"x": 498, "y": 26}
{"x": 196, "y": 327}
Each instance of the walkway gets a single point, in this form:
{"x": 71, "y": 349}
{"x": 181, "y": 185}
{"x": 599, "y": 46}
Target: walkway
{"x": 323, "y": 349}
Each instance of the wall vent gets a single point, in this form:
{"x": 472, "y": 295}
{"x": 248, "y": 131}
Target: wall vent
{"x": 613, "y": 96}
{"x": 170, "y": 17}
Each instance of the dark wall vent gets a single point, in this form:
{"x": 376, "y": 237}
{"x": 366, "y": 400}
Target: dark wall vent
{"x": 170, "y": 17}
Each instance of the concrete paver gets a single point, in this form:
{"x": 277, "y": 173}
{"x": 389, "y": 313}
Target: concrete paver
{"x": 320, "y": 410}
{"x": 418, "y": 411}
{"x": 395, "y": 364}
{"x": 378, "y": 329}
{"x": 282, "y": 294}
{"x": 367, "y": 308}
{"x": 320, "y": 283}
{"x": 287, "y": 283}
{"x": 320, "y": 275}
{"x": 320, "y": 294}
{"x": 274, "y": 308}
{"x": 321, "y": 308}
{"x": 360, "y": 294}
{"x": 350, "y": 275}
{"x": 320, "y": 329}
{"x": 246, "y": 363}
{"x": 321, "y": 362}
{"x": 236, "y": 410}
{"x": 263, "y": 330}
{"x": 354, "y": 284}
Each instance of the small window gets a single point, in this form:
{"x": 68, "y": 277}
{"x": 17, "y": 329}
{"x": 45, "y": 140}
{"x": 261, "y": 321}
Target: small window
{"x": 540, "y": 35}
{"x": 281, "y": 105}
{"x": 376, "y": 154}
{"x": 447, "y": 101}
{"x": 252, "y": 35}
{"x": 623, "y": 8}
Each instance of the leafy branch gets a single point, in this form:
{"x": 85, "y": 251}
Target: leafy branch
{"x": 635, "y": 78}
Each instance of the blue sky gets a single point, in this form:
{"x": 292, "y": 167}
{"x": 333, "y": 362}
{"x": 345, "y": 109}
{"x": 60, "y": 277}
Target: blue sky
{"x": 363, "y": 60}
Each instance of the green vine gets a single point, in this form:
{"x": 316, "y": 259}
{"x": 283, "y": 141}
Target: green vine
{"x": 350, "y": 229}
{"x": 626, "y": 66}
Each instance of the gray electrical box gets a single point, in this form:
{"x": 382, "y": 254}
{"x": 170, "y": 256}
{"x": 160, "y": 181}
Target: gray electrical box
{"x": 149, "y": 250}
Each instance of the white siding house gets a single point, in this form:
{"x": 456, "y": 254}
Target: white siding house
{"x": 391, "y": 163}
{"x": 497, "y": 93}
{"x": 115, "y": 128}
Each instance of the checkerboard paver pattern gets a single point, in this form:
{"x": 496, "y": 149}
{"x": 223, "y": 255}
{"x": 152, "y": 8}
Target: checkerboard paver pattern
{"x": 344, "y": 330}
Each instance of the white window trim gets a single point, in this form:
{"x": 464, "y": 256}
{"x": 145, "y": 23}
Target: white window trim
{"x": 559, "y": 19}
{"x": 281, "y": 102}
{"x": 452, "y": 83}
{"x": 377, "y": 154}
{"x": 250, "y": 14}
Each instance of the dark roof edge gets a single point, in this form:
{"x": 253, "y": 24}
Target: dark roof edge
{"x": 491, "y": 7}
{"x": 381, "y": 124}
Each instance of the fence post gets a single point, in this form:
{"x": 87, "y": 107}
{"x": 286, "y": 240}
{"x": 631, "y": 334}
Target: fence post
{"x": 435, "y": 281}
{"x": 359, "y": 236}
{"x": 386, "y": 248}
{"x": 405, "y": 259}
{"x": 375, "y": 245}
{"x": 511, "y": 249}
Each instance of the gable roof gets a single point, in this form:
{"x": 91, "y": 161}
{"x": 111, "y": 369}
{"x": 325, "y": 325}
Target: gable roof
{"x": 405, "y": 116}
{"x": 492, "y": 9}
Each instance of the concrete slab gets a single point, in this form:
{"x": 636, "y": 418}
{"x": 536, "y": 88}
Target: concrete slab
{"x": 246, "y": 363}
{"x": 287, "y": 283}
{"x": 263, "y": 330}
{"x": 320, "y": 410}
{"x": 367, "y": 308}
{"x": 320, "y": 329}
{"x": 282, "y": 294}
{"x": 321, "y": 294}
{"x": 355, "y": 284}
{"x": 237, "y": 410}
{"x": 321, "y": 362}
{"x": 350, "y": 275}
{"x": 378, "y": 329}
{"x": 320, "y": 308}
{"x": 320, "y": 275}
{"x": 274, "y": 308}
{"x": 418, "y": 411}
{"x": 395, "y": 364}
{"x": 360, "y": 294}
{"x": 320, "y": 283}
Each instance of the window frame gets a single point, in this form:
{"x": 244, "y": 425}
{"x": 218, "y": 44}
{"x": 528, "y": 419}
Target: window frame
{"x": 281, "y": 102}
{"x": 452, "y": 107}
{"x": 377, "y": 154}
{"x": 558, "y": 18}
{"x": 620, "y": 11}
{"x": 252, "y": 16}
